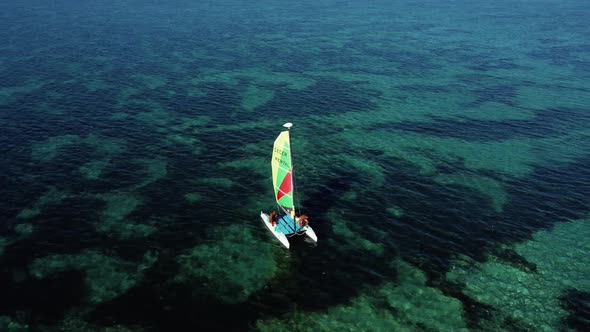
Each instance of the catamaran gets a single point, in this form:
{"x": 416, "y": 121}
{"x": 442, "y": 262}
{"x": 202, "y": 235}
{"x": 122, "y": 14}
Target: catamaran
{"x": 287, "y": 223}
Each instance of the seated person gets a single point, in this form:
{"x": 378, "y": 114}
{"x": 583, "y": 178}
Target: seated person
{"x": 273, "y": 218}
{"x": 303, "y": 220}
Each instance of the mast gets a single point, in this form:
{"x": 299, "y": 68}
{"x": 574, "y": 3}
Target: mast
{"x": 288, "y": 125}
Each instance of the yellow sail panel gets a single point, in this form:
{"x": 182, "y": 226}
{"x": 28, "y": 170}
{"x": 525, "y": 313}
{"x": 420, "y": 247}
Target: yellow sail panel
{"x": 282, "y": 176}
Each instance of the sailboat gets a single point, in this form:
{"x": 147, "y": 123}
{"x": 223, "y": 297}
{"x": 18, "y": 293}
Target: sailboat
{"x": 287, "y": 223}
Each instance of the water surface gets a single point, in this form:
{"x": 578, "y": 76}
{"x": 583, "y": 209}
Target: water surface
{"x": 440, "y": 150}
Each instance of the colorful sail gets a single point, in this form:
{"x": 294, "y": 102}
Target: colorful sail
{"x": 282, "y": 172}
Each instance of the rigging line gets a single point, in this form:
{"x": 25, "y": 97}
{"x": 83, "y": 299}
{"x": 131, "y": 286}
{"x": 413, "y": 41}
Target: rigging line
{"x": 298, "y": 233}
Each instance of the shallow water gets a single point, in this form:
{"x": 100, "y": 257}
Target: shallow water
{"x": 440, "y": 150}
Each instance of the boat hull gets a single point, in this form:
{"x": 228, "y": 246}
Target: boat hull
{"x": 280, "y": 236}
{"x": 310, "y": 233}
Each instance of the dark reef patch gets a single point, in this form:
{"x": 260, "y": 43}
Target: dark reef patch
{"x": 578, "y": 305}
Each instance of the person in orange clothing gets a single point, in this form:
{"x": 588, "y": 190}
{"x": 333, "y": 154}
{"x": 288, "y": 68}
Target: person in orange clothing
{"x": 303, "y": 220}
{"x": 273, "y": 218}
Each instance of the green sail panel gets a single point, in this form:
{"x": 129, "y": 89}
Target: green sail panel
{"x": 282, "y": 175}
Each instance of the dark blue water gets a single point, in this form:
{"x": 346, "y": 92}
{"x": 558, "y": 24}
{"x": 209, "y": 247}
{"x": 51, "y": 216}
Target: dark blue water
{"x": 440, "y": 150}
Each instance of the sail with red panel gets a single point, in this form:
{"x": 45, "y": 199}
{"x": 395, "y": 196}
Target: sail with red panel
{"x": 282, "y": 173}
{"x": 287, "y": 223}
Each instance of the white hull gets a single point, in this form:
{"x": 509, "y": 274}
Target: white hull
{"x": 280, "y": 236}
{"x": 310, "y": 233}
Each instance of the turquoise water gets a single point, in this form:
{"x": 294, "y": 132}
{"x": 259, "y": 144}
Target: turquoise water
{"x": 440, "y": 150}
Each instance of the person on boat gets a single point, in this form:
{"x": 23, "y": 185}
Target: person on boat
{"x": 303, "y": 220}
{"x": 273, "y": 218}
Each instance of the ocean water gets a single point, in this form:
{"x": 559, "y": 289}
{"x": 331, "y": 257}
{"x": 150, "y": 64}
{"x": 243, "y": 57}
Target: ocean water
{"x": 440, "y": 150}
